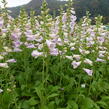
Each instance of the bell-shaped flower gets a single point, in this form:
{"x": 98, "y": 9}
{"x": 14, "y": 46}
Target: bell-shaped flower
{"x": 4, "y": 65}
{"x": 54, "y": 52}
{"x": 69, "y": 57}
{"x": 11, "y": 61}
{"x": 100, "y": 60}
{"x": 76, "y": 64}
{"x": 77, "y": 57}
{"x": 88, "y": 71}
{"x": 36, "y": 53}
{"x": 88, "y": 61}
{"x": 50, "y": 44}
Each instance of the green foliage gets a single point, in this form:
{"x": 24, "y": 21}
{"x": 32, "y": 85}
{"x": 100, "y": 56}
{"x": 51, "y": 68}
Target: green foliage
{"x": 49, "y": 80}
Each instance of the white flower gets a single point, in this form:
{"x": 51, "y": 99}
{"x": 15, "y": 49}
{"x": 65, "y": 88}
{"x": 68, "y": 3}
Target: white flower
{"x": 50, "y": 44}
{"x": 72, "y": 48}
{"x": 36, "y": 53}
{"x": 77, "y": 57}
{"x": 72, "y": 44}
{"x": 54, "y": 52}
{"x": 88, "y": 61}
{"x": 88, "y": 71}
{"x": 4, "y": 65}
{"x": 17, "y": 50}
{"x": 102, "y": 52}
{"x": 1, "y": 90}
{"x": 40, "y": 46}
{"x": 7, "y": 49}
{"x": 76, "y": 64}
{"x": 69, "y": 57}
{"x": 1, "y": 57}
{"x": 101, "y": 55}
{"x": 84, "y": 51}
{"x": 100, "y": 60}
{"x": 9, "y": 90}
{"x": 83, "y": 85}
{"x": 59, "y": 41}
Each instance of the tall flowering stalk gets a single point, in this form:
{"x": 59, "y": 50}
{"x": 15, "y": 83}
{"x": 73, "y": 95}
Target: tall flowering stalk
{"x": 32, "y": 20}
{"x": 23, "y": 19}
{"x": 45, "y": 25}
{"x": 5, "y": 12}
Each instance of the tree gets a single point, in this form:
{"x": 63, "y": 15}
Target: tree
{"x": 95, "y": 7}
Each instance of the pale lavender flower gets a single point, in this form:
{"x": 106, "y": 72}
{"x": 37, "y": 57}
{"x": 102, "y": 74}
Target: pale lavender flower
{"x": 50, "y": 44}
{"x": 27, "y": 26}
{"x": 54, "y": 52}
{"x": 88, "y": 61}
{"x": 84, "y": 51}
{"x": 90, "y": 43}
{"x": 15, "y": 36}
{"x": 101, "y": 39}
{"x": 102, "y": 52}
{"x": 17, "y": 50}
{"x": 59, "y": 41}
{"x": 103, "y": 34}
{"x": 11, "y": 61}
{"x": 76, "y": 64}
{"x": 4, "y": 53}
{"x": 28, "y": 32}
{"x": 31, "y": 37}
{"x": 101, "y": 55}
{"x": 4, "y": 30}
{"x": 92, "y": 34}
{"x": 1, "y": 23}
{"x": 53, "y": 35}
{"x": 17, "y": 44}
{"x": 72, "y": 48}
{"x": 40, "y": 46}
{"x": 100, "y": 60}
{"x": 88, "y": 71}
{"x": 36, "y": 53}
{"x": 64, "y": 18}
{"x": 39, "y": 39}
{"x": 77, "y": 57}
{"x": 73, "y": 18}
{"x": 29, "y": 45}
{"x": 89, "y": 39}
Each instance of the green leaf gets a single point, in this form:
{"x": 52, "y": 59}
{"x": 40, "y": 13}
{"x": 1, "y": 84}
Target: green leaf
{"x": 51, "y": 105}
{"x": 33, "y": 102}
{"x": 52, "y": 95}
{"x": 72, "y": 105}
{"x": 87, "y": 103}
{"x": 103, "y": 104}
{"x": 44, "y": 107}
{"x": 105, "y": 98}
{"x": 25, "y": 105}
{"x": 40, "y": 92}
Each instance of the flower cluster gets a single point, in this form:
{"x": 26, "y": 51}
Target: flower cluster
{"x": 60, "y": 36}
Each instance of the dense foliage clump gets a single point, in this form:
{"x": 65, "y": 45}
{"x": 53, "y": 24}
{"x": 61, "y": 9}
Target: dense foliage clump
{"x": 53, "y": 63}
